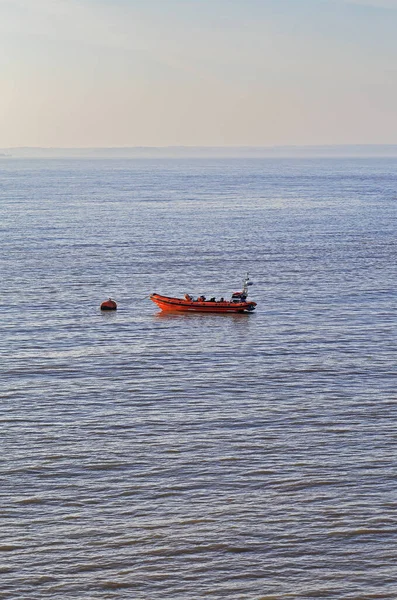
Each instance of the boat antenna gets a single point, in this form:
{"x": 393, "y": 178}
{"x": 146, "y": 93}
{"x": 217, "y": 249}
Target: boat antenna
{"x": 246, "y": 283}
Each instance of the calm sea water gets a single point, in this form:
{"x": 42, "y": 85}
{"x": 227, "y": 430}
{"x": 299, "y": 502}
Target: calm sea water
{"x": 245, "y": 457}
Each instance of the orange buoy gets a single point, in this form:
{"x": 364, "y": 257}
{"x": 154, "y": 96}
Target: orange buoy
{"x": 109, "y": 304}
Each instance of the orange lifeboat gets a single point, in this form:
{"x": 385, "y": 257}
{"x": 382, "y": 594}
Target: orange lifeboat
{"x": 109, "y": 304}
{"x": 237, "y": 304}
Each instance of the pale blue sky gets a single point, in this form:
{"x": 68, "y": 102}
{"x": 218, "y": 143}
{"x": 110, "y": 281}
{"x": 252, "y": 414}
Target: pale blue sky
{"x": 197, "y": 72}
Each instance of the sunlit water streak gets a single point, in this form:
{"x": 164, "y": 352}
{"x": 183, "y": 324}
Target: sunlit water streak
{"x": 198, "y": 456}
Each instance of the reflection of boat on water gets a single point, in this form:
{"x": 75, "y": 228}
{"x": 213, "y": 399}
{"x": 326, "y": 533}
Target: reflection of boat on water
{"x": 237, "y": 304}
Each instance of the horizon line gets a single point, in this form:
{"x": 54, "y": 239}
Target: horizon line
{"x": 209, "y": 147}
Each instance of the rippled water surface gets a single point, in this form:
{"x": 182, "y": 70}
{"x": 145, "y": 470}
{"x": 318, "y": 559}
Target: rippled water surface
{"x": 247, "y": 457}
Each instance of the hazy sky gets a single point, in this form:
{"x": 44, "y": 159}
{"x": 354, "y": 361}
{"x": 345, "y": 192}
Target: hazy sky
{"x": 197, "y": 72}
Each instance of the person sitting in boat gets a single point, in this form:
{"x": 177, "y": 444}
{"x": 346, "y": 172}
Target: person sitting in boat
{"x": 212, "y": 299}
{"x": 221, "y": 299}
{"x": 201, "y": 298}
{"x": 189, "y": 298}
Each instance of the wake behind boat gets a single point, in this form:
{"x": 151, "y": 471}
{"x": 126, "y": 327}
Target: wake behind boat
{"x": 237, "y": 304}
